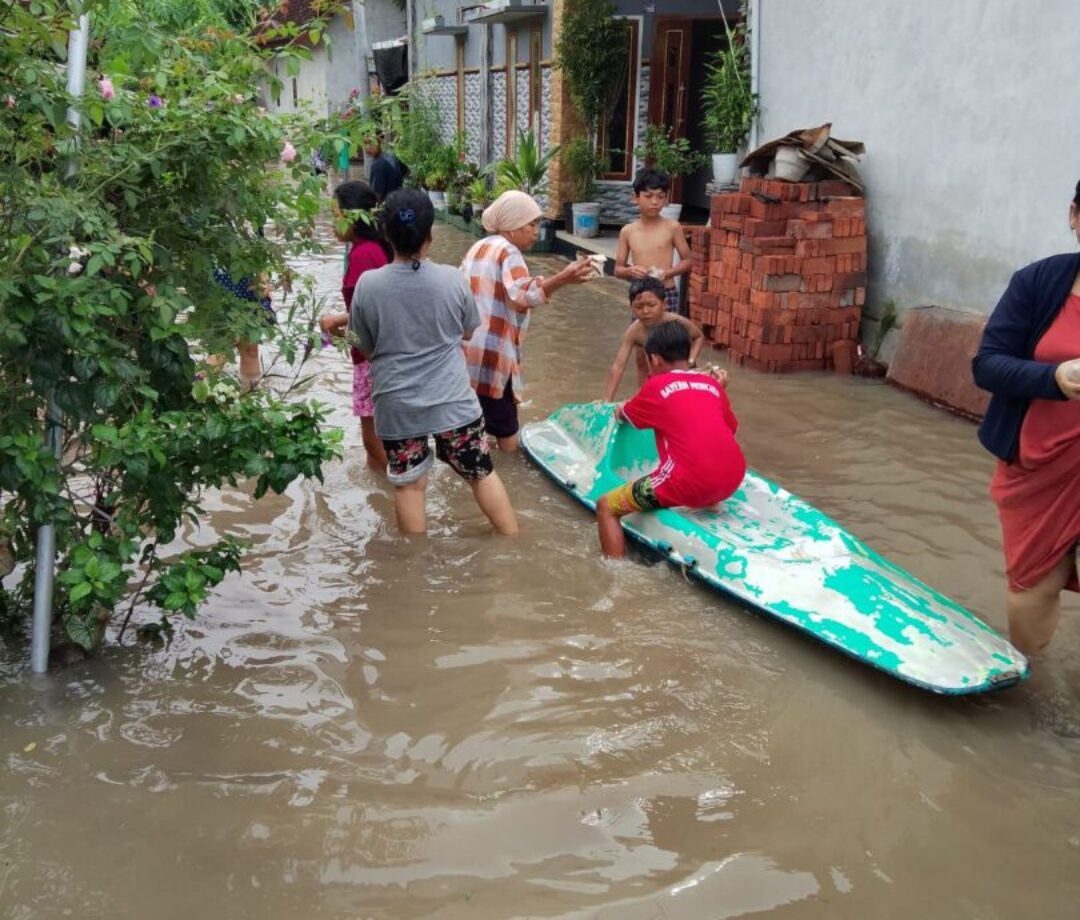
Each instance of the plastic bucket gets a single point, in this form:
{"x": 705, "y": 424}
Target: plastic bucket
{"x": 671, "y": 211}
{"x": 586, "y": 218}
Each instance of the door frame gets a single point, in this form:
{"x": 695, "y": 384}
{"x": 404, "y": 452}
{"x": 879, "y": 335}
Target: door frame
{"x": 663, "y": 28}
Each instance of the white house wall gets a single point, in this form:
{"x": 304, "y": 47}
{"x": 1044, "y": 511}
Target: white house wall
{"x": 967, "y": 110}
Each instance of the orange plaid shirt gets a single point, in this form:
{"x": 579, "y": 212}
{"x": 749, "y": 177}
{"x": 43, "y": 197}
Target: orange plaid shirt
{"x": 505, "y": 294}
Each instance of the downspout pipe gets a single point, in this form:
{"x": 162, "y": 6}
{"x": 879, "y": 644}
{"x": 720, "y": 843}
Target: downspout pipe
{"x": 45, "y": 550}
{"x": 755, "y": 68}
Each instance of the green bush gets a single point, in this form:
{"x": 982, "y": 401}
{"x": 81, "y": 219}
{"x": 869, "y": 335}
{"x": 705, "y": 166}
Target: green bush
{"x": 108, "y": 303}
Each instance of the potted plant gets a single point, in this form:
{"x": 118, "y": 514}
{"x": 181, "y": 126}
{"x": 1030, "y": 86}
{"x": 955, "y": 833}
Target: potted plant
{"x": 728, "y": 105}
{"x": 673, "y": 156}
{"x": 440, "y": 167}
{"x": 479, "y": 196}
{"x": 593, "y": 54}
{"x": 582, "y": 161}
{"x": 527, "y": 170}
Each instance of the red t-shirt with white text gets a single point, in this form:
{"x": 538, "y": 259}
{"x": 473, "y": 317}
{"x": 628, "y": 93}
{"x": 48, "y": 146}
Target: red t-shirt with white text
{"x": 700, "y": 461}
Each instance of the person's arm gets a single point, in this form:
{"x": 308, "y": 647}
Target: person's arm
{"x": 618, "y": 366}
{"x": 470, "y": 313}
{"x": 1000, "y": 365}
{"x": 683, "y": 249}
{"x": 697, "y": 340}
{"x": 360, "y": 335}
{"x": 623, "y": 268}
{"x": 577, "y": 272}
{"x": 334, "y": 323}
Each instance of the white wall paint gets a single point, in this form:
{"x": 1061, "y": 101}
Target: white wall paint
{"x": 968, "y": 110}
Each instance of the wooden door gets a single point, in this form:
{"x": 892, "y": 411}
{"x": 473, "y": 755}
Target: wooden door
{"x": 669, "y": 80}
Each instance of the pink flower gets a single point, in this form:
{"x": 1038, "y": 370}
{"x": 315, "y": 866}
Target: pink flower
{"x": 288, "y": 153}
{"x": 107, "y": 91}
{"x": 9, "y": 101}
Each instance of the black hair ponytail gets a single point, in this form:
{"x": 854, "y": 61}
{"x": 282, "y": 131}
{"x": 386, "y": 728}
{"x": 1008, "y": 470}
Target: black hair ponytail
{"x": 407, "y": 219}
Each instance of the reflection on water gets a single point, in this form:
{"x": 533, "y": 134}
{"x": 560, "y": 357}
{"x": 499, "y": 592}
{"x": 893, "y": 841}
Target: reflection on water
{"x": 364, "y": 726}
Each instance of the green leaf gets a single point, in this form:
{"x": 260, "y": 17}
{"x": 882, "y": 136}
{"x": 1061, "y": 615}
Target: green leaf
{"x": 83, "y": 631}
{"x": 81, "y": 590}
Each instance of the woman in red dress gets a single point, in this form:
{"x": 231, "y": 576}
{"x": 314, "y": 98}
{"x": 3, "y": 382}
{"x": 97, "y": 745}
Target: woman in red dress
{"x": 1030, "y": 360}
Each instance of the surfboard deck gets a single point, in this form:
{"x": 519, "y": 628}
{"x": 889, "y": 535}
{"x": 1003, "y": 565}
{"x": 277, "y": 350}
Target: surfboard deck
{"x": 775, "y": 553}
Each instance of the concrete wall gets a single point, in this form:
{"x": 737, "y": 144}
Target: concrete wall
{"x": 310, "y": 85}
{"x": 965, "y": 110}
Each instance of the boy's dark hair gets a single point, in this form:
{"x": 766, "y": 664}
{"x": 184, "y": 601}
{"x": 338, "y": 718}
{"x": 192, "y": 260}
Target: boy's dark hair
{"x": 359, "y": 196}
{"x": 669, "y": 341}
{"x": 407, "y": 218}
{"x": 647, "y": 179}
{"x": 647, "y": 284}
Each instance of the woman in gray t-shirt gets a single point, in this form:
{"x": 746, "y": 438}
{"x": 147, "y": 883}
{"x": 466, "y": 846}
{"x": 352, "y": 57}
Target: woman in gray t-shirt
{"x": 410, "y": 319}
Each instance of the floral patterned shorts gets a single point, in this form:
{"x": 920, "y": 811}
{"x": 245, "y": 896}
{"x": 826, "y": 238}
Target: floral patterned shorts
{"x": 631, "y": 497}
{"x": 465, "y": 450}
{"x": 362, "y": 405}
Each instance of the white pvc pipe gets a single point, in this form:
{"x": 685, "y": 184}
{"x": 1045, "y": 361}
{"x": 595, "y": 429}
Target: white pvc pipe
{"x": 45, "y": 551}
{"x": 755, "y": 68}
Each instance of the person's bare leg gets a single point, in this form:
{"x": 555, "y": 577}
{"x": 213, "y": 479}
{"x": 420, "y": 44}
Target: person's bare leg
{"x": 410, "y": 506}
{"x": 508, "y": 445}
{"x": 373, "y": 446}
{"x": 250, "y": 366}
{"x": 1034, "y": 613}
{"x": 494, "y": 501}
{"x": 612, "y": 538}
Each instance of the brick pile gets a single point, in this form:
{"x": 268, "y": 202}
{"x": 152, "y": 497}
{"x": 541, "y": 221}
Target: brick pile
{"x": 785, "y": 278}
{"x": 698, "y": 240}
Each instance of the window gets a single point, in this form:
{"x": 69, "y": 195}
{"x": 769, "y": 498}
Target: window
{"x": 536, "y": 81}
{"x": 616, "y": 137}
{"x": 511, "y": 91}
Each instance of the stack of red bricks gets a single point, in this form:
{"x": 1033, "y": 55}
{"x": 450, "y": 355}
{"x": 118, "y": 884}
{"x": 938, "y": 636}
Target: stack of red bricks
{"x": 785, "y": 279}
{"x": 698, "y": 240}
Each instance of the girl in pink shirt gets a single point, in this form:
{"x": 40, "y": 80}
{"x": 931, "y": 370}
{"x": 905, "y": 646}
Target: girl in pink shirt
{"x": 367, "y": 250}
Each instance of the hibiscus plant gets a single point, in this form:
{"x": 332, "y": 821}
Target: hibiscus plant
{"x": 109, "y": 308}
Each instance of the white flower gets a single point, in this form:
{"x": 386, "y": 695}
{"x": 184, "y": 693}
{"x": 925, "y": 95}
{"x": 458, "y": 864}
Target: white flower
{"x": 75, "y": 268}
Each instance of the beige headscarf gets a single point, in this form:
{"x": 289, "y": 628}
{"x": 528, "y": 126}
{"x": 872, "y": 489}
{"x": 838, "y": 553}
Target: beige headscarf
{"x": 509, "y": 212}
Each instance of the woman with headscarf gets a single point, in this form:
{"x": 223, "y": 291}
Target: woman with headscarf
{"x": 505, "y": 293}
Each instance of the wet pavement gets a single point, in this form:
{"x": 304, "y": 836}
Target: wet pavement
{"x": 363, "y": 726}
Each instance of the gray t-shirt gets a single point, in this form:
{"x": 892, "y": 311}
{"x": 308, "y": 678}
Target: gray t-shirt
{"x": 411, "y": 325}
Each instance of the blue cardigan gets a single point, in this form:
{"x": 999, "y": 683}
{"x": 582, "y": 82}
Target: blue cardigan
{"x": 1004, "y": 364}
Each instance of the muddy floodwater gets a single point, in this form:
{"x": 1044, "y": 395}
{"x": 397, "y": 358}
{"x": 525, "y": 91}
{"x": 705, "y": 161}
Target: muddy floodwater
{"x": 362, "y": 726}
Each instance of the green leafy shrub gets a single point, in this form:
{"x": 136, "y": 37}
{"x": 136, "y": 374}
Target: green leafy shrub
{"x": 673, "y": 156}
{"x": 728, "y": 105}
{"x": 584, "y": 164}
{"x": 527, "y": 170}
{"x": 108, "y": 303}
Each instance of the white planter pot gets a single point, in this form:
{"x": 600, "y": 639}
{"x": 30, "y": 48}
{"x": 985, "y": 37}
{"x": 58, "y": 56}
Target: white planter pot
{"x": 437, "y": 198}
{"x": 586, "y": 218}
{"x": 671, "y": 211}
{"x": 725, "y": 166}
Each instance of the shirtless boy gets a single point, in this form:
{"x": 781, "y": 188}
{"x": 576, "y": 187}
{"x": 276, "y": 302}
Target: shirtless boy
{"x": 647, "y": 305}
{"x": 645, "y": 246}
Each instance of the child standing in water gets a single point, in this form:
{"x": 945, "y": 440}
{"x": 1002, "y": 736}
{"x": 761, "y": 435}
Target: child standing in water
{"x": 647, "y": 305}
{"x": 411, "y": 319}
{"x": 368, "y": 250}
{"x": 700, "y": 461}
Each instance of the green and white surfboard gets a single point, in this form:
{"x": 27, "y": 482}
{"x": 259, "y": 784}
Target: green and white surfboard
{"x": 772, "y": 551}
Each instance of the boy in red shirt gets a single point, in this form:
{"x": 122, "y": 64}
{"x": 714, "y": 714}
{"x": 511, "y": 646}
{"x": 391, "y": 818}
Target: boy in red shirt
{"x": 700, "y": 461}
